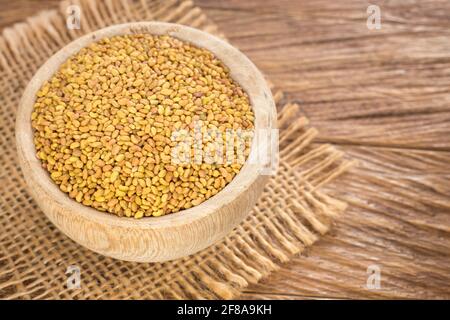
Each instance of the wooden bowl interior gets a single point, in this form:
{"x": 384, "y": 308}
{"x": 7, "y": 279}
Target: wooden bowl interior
{"x": 242, "y": 70}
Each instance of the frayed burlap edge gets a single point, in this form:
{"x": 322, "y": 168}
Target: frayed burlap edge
{"x": 291, "y": 214}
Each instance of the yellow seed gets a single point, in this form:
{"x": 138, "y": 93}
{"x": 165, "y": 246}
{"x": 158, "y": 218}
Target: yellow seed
{"x": 110, "y": 128}
{"x": 74, "y": 145}
{"x": 123, "y": 101}
{"x": 158, "y": 213}
{"x": 56, "y": 174}
{"x": 79, "y": 196}
{"x": 197, "y": 201}
{"x": 114, "y": 176}
{"x": 100, "y": 199}
{"x": 139, "y": 214}
{"x": 138, "y": 82}
{"x": 121, "y": 114}
{"x": 105, "y": 121}
{"x": 162, "y": 173}
{"x": 120, "y": 157}
{"x": 120, "y": 193}
{"x": 166, "y": 92}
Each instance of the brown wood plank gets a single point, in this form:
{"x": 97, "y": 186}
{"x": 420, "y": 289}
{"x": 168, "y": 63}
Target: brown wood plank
{"x": 387, "y": 87}
{"x": 398, "y": 219}
{"x": 18, "y": 10}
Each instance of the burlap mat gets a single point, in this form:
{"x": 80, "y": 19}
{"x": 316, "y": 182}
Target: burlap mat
{"x": 34, "y": 255}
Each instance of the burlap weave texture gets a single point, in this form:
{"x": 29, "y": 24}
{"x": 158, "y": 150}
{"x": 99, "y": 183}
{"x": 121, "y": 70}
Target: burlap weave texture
{"x": 291, "y": 214}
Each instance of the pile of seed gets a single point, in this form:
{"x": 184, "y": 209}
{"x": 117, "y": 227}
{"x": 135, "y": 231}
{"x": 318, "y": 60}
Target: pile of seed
{"x": 103, "y": 124}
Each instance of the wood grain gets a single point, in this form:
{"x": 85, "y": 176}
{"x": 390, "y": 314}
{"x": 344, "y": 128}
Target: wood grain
{"x": 397, "y": 219}
{"x": 383, "y": 97}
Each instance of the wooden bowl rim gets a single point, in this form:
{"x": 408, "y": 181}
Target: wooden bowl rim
{"x": 241, "y": 69}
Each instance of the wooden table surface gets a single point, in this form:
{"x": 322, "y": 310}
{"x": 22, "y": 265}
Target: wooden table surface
{"x": 383, "y": 97}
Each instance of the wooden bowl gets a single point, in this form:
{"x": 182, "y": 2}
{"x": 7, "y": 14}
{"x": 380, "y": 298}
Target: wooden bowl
{"x": 151, "y": 239}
